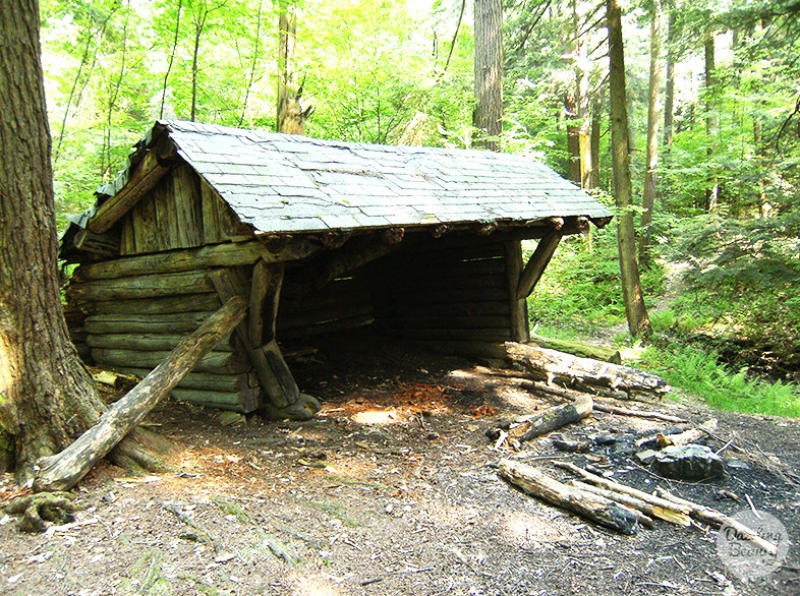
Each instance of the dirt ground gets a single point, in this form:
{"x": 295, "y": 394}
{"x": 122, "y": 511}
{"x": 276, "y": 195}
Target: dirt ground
{"x": 392, "y": 489}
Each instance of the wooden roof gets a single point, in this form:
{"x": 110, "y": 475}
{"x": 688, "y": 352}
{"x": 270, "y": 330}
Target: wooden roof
{"x": 288, "y": 184}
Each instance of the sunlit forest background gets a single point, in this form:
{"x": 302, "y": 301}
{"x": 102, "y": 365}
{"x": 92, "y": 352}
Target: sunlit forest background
{"x": 720, "y": 260}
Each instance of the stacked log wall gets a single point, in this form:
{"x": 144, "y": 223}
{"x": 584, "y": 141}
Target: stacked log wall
{"x": 345, "y": 303}
{"x": 133, "y": 321}
{"x": 456, "y": 293}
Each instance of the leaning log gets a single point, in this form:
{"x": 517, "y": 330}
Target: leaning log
{"x": 593, "y": 507}
{"x": 585, "y": 374}
{"x": 64, "y": 470}
{"x": 536, "y": 425}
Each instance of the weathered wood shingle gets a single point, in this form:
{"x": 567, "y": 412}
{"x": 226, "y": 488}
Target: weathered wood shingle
{"x": 285, "y": 183}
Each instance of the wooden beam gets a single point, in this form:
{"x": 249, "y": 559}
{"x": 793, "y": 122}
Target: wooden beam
{"x": 264, "y": 299}
{"x": 142, "y": 286}
{"x": 537, "y": 264}
{"x": 277, "y": 382}
{"x": 228, "y": 254}
{"x": 518, "y": 309}
{"x": 102, "y": 246}
{"x": 146, "y": 175}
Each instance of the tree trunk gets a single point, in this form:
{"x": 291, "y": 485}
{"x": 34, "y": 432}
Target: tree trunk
{"x": 47, "y": 398}
{"x": 669, "y": 88}
{"x": 573, "y": 137}
{"x": 597, "y": 122}
{"x": 636, "y": 313}
{"x": 291, "y": 117}
{"x": 712, "y": 119}
{"x": 583, "y": 68}
{"x": 488, "y": 114}
{"x": 649, "y": 192}
{"x": 65, "y": 470}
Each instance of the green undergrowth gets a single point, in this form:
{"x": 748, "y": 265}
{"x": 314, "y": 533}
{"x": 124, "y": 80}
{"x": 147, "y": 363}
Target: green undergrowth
{"x": 747, "y": 296}
{"x": 701, "y": 373}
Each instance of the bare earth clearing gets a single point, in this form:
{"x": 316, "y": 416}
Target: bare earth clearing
{"x": 392, "y": 489}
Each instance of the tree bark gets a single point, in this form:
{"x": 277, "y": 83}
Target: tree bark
{"x": 583, "y": 69}
{"x": 65, "y": 470}
{"x": 635, "y": 310}
{"x": 47, "y": 396}
{"x": 669, "y": 87}
{"x": 593, "y": 507}
{"x": 585, "y": 374}
{"x": 649, "y": 192}
{"x": 712, "y": 119}
{"x": 488, "y": 67}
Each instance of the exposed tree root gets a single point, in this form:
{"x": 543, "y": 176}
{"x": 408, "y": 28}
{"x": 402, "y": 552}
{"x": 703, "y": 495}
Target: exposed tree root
{"x": 56, "y": 507}
{"x": 141, "y": 451}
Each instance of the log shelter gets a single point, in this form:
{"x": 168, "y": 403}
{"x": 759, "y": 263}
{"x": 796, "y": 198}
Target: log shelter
{"x": 319, "y": 236}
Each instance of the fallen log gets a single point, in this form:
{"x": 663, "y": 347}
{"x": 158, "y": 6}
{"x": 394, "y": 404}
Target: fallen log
{"x": 648, "y": 509}
{"x": 690, "y": 436}
{"x": 585, "y": 374}
{"x": 593, "y": 507}
{"x": 577, "y": 348}
{"x": 598, "y": 407}
{"x": 526, "y": 428}
{"x": 621, "y": 488}
{"x": 64, "y": 470}
{"x": 716, "y": 518}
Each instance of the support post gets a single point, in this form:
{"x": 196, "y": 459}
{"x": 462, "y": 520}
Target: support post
{"x": 537, "y": 264}
{"x": 518, "y": 309}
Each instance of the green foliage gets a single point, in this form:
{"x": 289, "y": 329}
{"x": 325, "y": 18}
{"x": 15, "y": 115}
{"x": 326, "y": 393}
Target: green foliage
{"x": 744, "y": 278}
{"x": 699, "y": 372}
{"x": 581, "y": 288}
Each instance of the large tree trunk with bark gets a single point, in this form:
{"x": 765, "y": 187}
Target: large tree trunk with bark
{"x": 47, "y": 398}
{"x": 488, "y": 114}
{"x": 638, "y": 321}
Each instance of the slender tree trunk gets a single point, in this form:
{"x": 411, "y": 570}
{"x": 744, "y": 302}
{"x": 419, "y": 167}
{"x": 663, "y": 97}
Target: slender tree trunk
{"x": 291, "y": 117}
{"x": 199, "y": 24}
{"x": 488, "y": 114}
{"x": 171, "y": 59}
{"x": 712, "y": 119}
{"x": 583, "y": 69}
{"x": 573, "y": 137}
{"x": 653, "y": 116}
{"x": 638, "y": 321}
{"x": 597, "y": 123}
{"x": 669, "y": 88}
{"x": 47, "y": 397}
{"x": 253, "y": 64}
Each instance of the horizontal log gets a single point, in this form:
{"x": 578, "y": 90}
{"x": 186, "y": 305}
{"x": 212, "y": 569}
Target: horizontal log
{"x": 461, "y": 310}
{"x": 454, "y": 268}
{"x": 155, "y": 306}
{"x": 454, "y": 322}
{"x": 243, "y": 402}
{"x": 593, "y": 507}
{"x": 426, "y": 296}
{"x": 143, "y": 286}
{"x": 485, "y": 335}
{"x": 326, "y": 327}
{"x": 586, "y": 374}
{"x": 300, "y": 320}
{"x": 131, "y": 323}
{"x": 469, "y": 348}
{"x": 228, "y": 254}
{"x": 213, "y": 362}
{"x": 147, "y": 342}
{"x": 447, "y": 282}
{"x": 204, "y": 381}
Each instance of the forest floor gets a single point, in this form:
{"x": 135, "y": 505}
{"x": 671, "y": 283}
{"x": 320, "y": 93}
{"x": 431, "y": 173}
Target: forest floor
{"x": 393, "y": 489}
